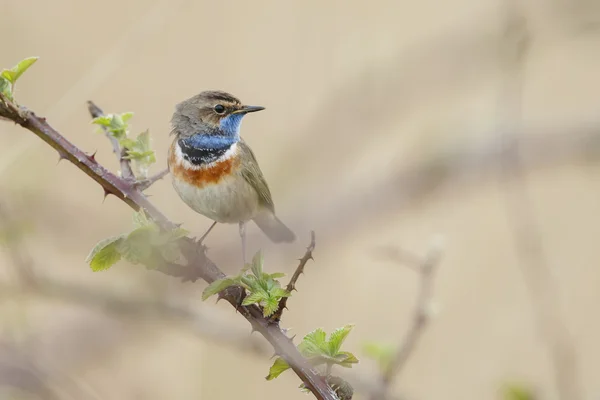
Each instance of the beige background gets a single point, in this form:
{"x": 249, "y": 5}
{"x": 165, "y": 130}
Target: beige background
{"x": 358, "y": 95}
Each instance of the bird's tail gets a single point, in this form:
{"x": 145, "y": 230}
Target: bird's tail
{"x": 274, "y": 228}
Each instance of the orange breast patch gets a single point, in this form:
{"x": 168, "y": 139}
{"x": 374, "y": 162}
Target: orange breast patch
{"x": 203, "y": 176}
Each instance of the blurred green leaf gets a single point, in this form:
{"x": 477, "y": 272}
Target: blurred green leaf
{"x": 279, "y": 292}
{"x": 140, "y": 219}
{"x": 346, "y": 359}
{"x": 8, "y": 75}
{"x": 170, "y": 252}
{"x": 126, "y": 116}
{"x": 105, "y": 254}
{"x": 5, "y": 88}
{"x": 140, "y": 152}
{"x": 127, "y": 143}
{"x": 517, "y": 392}
{"x": 216, "y": 287}
{"x": 146, "y": 244}
{"x": 278, "y": 367}
{"x": 383, "y": 354}
{"x": 137, "y": 246}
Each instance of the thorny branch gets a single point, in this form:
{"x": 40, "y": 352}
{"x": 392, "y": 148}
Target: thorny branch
{"x": 299, "y": 271}
{"x": 199, "y": 265}
{"x": 426, "y": 269}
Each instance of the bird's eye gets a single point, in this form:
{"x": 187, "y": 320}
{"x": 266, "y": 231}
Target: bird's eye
{"x": 219, "y": 109}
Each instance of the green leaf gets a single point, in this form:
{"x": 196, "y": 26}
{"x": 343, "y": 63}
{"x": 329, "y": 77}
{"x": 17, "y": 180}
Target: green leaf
{"x": 314, "y": 343}
{"x": 279, "y": 292}
{"x": 8, "y": 75}
{"x": 137, "y": 246}
{"x": 146, "y": 156}
{"x": 5, "y": 88}
{"x": 278, "y": 367}
{"x": 126, "y": 116}
{"x": 346, "y": 359}
{"x": 103, "y": 120}
{"x": 105, "y": 254}
{"x": 517, "y": 392}
{"x": 270, "y": 305}
{"x": 337, "y": 337}
{"x": 170, "y": 252}
{"x": 257, "y": 264}
{"x": 143, "y": 141}
{"x": 253, "y": 298}
{"x": 140, "y": 219}
{"x": 277, "y": 275}
{"x": 22, "y": 66}
{"x": 382, "y": 353}
{"x": 216, "y": 287}
{"x": 127, "y": 143}
{"x": 250, "y": 282}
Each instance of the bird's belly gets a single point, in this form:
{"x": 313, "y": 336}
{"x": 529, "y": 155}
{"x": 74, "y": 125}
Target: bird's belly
{"x": 231, "y": 200}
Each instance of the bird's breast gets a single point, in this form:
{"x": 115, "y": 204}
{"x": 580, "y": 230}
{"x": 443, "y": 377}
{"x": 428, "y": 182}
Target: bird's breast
{"x": 204, "y": 174}
{"x": 217, "y": 190}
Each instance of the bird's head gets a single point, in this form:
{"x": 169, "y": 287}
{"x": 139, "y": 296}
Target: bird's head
{"x": 210, "y": 113}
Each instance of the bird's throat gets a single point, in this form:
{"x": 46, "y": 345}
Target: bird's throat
{"x": 201, "y": 149}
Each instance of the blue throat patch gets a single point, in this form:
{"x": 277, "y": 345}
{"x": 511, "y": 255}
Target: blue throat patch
{"x": 204, "y": 148}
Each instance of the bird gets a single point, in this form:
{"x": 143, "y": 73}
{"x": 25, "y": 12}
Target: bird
{"x": 215, "y": 172}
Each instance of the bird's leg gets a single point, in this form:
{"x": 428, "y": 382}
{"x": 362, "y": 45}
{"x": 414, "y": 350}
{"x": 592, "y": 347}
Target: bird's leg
{"x": 207, "y": 232}
{"x": 243, "y": 236}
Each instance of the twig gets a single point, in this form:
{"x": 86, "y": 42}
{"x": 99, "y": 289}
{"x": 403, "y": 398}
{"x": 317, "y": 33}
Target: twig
{"x": 144, "y": 184}
{"x": 299, "y": 271}
{"x": 420, "y": 319}
{"x": 206, "y": 269}
{"x": 126, "y": 171}
{"x": 125, "y": 163}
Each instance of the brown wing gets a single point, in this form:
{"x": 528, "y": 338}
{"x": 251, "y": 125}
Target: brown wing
{"x": 253, "y": 175}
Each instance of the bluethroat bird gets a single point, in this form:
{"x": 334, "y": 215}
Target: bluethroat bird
{"x": 215, "y": 172}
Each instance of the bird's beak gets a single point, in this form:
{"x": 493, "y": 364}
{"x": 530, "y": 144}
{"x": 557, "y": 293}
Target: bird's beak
{"x": 248, "y": 109}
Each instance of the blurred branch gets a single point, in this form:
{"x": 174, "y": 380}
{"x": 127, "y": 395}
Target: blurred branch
{"x": 421, "y": 316}
{"x": 521, "y": 212}
{"x": 299, "y": 270}
{"x": 198, "y": 263}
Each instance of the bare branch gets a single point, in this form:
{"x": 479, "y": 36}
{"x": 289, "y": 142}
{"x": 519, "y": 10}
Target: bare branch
{"x": 299, "y": 270}
{"x": 197, "y": 260}
{"x": 421, "y": 316}
{"x": 144, "y": 184}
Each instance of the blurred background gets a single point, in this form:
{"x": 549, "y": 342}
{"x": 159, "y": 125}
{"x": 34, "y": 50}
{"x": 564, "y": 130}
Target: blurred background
{"x": 388, "y": 125}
